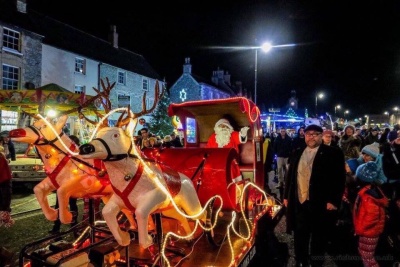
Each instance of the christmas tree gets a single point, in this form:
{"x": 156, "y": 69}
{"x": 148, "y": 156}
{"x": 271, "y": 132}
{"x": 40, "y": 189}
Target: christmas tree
{"x": 160, "y": 123}
{"x": 290, "y": 113}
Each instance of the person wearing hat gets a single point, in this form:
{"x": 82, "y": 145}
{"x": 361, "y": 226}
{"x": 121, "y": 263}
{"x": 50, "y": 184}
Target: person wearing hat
{"x": 372, "y": 153}
{"x": 313, "y": 191}
{"x": 370, "y": 208}
{"x": 224, "y": 136}
{"x": 372, "y": 136}
{"x": 349, "y": 144}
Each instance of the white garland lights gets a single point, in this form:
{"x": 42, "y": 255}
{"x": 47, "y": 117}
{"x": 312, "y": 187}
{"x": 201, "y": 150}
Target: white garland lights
{"x": 249, "y": 225}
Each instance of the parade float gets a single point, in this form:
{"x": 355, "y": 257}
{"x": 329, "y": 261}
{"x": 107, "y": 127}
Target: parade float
{"x": 187, "y": 210}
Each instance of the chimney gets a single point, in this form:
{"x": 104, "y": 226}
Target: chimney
{"x": 21, "y": 6}
{"x": 227, "y": 78}
{"x": 187, "y": 67}
{"x": 113, "y": 36}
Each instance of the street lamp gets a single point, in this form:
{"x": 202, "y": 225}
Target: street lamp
{"x": 266, "y": 47}
{"x": 387, "y": 113}
{"x": 346, "y": 112}
{"x": 337, "y": 107}
{"x": 318, "y": 95}
{"x": 366, "y": 120}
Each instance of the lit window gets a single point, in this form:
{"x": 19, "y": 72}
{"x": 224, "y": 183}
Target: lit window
{"x": 10, "y": 77}
{"x": 79, "y": 89}
{"x": 80, "y": 65}
{"x": 11, "y": 39}
{"x": 121, "y": 77}
{"x": 145, "y": 85}
{"x": 123, "y": 100}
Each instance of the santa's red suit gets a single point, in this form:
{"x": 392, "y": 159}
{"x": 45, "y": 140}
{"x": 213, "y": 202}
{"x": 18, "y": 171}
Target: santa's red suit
{"x": 234, "y": 141}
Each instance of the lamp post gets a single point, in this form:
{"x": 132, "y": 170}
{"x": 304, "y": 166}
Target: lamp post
{"x": 266, "y": 47}
{"x": 366, "y": 120}
{"x": 317, "y": 95}
{"x": 346, "y": 112}
{"x": 337, "y": 107}
{"x": 387, "y": 113}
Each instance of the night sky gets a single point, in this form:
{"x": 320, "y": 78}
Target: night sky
{"x": 348, "y": 51}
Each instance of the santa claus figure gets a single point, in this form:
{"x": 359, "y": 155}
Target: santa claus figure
{"x": 224, "y": 136}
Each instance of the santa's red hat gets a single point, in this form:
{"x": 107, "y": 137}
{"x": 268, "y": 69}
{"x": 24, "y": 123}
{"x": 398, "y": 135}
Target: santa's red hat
{"x": 224, "y": 122}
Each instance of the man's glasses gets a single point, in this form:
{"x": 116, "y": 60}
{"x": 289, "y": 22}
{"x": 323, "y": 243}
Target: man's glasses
{"x": 312, "y": 134}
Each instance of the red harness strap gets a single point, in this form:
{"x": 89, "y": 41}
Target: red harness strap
{"x": 105, "y": 180}
{"x": 59, "y": 167}
{"x": 125, "y": 193}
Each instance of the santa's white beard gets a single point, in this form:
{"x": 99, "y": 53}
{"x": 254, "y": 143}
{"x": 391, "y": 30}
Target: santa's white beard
{"x": 222, "y": 136}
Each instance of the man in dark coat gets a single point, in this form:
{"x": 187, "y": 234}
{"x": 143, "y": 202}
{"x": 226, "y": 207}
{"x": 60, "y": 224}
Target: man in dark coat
{"x": 314, "y": 187}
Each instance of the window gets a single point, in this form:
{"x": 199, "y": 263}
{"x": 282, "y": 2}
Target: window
{"x": 10, "y": 77}
{"x": 11, "y": 39}
{"x": 123, "y": 100}
{"x": 121, "y": 77}
{"x": 80, "y": 65}
{"x": 191, "y": 130}
{"x": 145, "y": 84}
{"x": 79, "y": 89}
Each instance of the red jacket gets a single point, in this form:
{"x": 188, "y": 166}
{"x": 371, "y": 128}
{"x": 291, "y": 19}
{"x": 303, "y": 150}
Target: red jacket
{"x": 234, "y": 141}
{"x": 369, "y": 213}
{"x": 5, "y": 173}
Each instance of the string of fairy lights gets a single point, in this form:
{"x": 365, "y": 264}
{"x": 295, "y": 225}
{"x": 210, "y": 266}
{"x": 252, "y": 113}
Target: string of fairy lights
{"x": 156, "y": 177}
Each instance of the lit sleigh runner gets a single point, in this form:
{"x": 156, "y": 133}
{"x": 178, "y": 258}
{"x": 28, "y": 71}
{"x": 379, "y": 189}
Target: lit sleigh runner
{"x": 67, "y": 172}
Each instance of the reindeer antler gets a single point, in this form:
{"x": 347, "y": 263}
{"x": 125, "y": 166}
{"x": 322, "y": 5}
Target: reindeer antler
{"x": 157, "y": 96}
{"x": 105, "y": 101}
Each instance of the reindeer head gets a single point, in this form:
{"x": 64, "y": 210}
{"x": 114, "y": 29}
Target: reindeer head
{"x": 112, "y": 143}
{"x": 39, "y": 130}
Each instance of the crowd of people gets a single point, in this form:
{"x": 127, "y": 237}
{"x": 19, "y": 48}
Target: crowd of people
{"x": 146, "y": 139}
{"x": 330, "y": 178}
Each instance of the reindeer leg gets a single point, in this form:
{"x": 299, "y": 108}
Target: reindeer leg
{"x": 42, "y": 190}
{"x": 188, "y": 200}
{"x": 71, "y": 187}
{"x": 110, "y": 212}
{"x": 146, "y": 205}
{"x": 129, "y": 217}
{"x": 63, "y": 195}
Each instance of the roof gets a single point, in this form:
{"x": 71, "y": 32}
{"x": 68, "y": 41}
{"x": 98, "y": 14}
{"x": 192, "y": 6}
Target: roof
{"x": 64, "y": 36}
{"x": 47, "y": 97}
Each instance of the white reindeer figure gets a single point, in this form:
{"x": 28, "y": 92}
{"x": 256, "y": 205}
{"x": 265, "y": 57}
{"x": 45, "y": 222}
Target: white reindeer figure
{"x": 138, "y": 184}
{"x": 67, "y": 172}
{"x": 70, "y": 175}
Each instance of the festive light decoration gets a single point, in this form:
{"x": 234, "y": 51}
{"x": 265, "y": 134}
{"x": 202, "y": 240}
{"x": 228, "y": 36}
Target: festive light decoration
{"x": 250, "y": 223}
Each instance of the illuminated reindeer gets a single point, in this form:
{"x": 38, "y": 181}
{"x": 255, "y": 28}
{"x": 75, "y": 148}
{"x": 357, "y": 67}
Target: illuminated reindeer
{"x": 140, "y": 185}
{"x": 67, "y": 172}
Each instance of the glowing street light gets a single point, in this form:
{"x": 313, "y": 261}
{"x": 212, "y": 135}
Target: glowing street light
{"x": 337, "y": 107}
{"x": 318, "y": 95}
{"x": 266, "y": 47}
{"x": 346, "y": 112}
